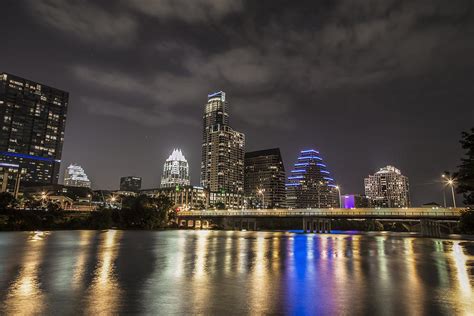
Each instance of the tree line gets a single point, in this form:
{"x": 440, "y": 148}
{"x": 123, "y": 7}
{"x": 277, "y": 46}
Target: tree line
{"x": 140, "y": 212}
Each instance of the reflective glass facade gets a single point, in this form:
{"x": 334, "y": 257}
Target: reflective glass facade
{"x": 310, "y": 184}
{"x": 265, "y": 179}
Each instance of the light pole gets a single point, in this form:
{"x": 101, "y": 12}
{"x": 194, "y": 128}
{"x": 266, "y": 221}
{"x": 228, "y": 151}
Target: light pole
{"x": 261, "y": 191}
{"x": 338, "y": 188}
{"x": 43, "y": 199}
{"x": 90, "y": 201}
{"x": 450, "y": 182}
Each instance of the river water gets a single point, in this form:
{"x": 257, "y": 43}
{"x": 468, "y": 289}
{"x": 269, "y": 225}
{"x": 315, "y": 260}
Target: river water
{"x": 233, "y": 273}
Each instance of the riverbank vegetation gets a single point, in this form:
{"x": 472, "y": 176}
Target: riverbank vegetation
{"x": 141, "y": 212}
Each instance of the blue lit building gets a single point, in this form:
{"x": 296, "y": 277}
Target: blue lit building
{"x": 32, "y": 128}
{"x": 310, "y": 184}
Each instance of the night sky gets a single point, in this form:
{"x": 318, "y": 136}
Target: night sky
{"x": 367, "y": 83}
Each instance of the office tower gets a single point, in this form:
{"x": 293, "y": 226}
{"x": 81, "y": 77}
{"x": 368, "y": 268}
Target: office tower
{"x": 264, "y": 180}
{"x": 387, "y": 188}
{"x": 175, "y": 170}
{"x": 130, "y": 183}
{"x": 310, "y": 184}
{"x": 33, "y": 118}
{"x": 74, "y": 176}
{"x": 222, "y": 164}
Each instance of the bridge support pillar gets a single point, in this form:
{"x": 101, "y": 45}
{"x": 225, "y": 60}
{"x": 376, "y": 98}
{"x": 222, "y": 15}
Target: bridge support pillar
{"x": 430, "y": 228}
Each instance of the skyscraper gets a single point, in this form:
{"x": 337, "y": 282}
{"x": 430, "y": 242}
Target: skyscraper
{"x": 74, "y": 176}
{"x": 33, "y": 119}
{"x": 387, "y": 188}
{"x": 175, "y": 170}
{"x": 222, "y": 160}
{"x": 130, "y": 183}
{"x": 265, "y": 179}
{"x": 310, "y": 184}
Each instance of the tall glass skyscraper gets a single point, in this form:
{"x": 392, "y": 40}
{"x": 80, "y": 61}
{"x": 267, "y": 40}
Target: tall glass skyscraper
{"x": 222, "y": 160}
{"x": 265, "y": 179}
{"x": 310, "y": 184}
{"x": 175, "y": 170}
{"x": 387, "y": 188}
{"x": 32, "y": 123}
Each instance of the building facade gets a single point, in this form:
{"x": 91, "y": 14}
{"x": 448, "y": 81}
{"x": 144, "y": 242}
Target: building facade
{"x": 264, "y": 180}
{"x": 184, "y": 197}
{"x": 33, "y": 119}
{"x": 10, "y": 178}
{"x": 387, "y": 188}
{"x": 310, "y": 184}
{"x": 175, "y": 170}
{"x": 130, "y": 183}
{"x": 222, "y": 160}
{"x": 75, "y": 176}
{"x": 354, "y": 201}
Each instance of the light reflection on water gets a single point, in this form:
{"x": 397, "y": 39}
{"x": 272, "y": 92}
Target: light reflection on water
{"x": 213, "y": 272}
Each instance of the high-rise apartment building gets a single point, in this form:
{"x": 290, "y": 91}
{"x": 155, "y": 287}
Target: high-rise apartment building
{"x": 387, "y": 188}
{"x": 264, "y": 179}
{"x": 310, "y": 184}
{"x": 75, "y": 176}
{"x": 130, "y": 183}
{"x": 32, "y": 123}
{"x": 222, "y": 161}
{"x": 175, "y": 170}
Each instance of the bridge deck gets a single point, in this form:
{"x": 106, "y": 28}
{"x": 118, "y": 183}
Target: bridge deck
{"x": 362, "y": 213}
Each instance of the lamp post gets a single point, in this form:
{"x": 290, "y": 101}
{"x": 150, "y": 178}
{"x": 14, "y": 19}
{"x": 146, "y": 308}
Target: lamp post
{"x": 90, "y": 201}
{"x": 43, "y": 198}
{"x": 338, "y": 188}
{"x": 450, "y": 182}
{"x": 261, "y": 191}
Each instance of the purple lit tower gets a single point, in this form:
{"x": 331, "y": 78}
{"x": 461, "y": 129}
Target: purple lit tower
{"x": 310, "y": 184}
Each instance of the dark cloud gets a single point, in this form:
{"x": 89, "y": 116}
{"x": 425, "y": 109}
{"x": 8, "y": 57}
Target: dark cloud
{"x": 368, "y": 82}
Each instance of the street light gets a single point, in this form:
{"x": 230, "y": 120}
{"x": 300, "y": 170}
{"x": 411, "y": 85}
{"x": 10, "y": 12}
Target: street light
{"x": 90, "y": 201}
{"x": 261, "y": 191}
{"x": 450, "y": 182}
{"x": 43, "y": 198}
{"x": 338, "y": 188}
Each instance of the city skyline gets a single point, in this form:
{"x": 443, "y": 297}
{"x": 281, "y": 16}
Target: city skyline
{"x": 393, "y": 113}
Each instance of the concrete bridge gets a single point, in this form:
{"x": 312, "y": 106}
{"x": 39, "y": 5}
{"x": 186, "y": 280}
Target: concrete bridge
{"x": 430, "y": 220}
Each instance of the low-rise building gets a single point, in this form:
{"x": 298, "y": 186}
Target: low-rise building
{"x": 354, "y": 201}
{"x": 184, "y": 197}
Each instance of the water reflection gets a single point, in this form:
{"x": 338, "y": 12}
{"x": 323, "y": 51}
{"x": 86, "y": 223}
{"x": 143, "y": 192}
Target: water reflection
{"x": 104, "y": 291}
{"x": 208, "y": 272}
{"x": 25, "y": 296}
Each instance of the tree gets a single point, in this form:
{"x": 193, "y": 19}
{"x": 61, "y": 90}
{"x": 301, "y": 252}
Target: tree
{"x": 465, "y": 174}
{"x": 7, "y": 200}
{"x": 146, "y": 212}
{"x": 466, "y": 223}
{"x": 220, "y": 205}
{"x": 53, "y": 206}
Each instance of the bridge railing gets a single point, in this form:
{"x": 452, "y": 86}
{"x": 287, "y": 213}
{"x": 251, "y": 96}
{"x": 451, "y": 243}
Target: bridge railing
{"x": 387, "y": 212}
